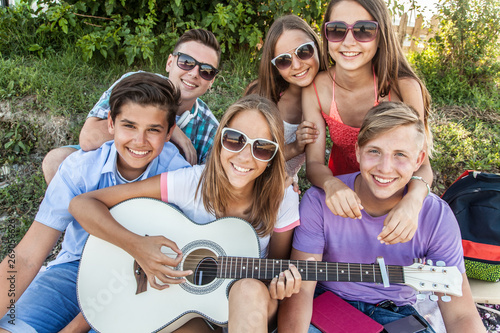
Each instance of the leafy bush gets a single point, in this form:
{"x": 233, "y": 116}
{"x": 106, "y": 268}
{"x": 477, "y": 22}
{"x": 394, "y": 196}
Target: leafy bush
{"x": 461, "y": 63}
{"x": 138, "y": 29}
{"x": 464, "y": 142}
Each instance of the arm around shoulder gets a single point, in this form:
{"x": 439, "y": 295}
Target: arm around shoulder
{"x": 94, "y": 133}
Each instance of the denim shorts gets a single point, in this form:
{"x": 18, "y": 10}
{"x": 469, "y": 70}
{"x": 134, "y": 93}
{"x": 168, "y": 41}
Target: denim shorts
{"x": 383, "y": 313}
{"x": 48, "y": 304}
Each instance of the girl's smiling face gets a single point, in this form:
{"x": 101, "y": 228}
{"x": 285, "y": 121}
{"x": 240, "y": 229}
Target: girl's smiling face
{"x": 301, "y": 72}
{"x": 242, "y": 168}
{"x": 350, "y": 54}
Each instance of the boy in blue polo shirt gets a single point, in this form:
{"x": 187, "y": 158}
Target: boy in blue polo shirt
{"x": 141, "y": 120}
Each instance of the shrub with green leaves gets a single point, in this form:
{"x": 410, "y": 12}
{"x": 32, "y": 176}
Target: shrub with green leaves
{"x": 461, "y": 64}
{"x": 464, "y": 142}
{"x": 138, "y": 29}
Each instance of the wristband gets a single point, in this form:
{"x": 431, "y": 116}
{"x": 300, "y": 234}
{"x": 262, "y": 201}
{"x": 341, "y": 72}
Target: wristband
{"x": 426, "y": 184}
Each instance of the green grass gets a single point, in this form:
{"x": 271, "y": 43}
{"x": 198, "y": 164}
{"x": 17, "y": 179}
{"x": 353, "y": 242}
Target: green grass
{"x": 34, "y": 89}
{"x": 64, "y": 86}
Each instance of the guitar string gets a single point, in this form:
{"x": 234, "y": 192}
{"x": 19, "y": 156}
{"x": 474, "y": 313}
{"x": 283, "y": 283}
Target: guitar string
{"x": 195, "y": 258}
{"x": 350, "y": 268}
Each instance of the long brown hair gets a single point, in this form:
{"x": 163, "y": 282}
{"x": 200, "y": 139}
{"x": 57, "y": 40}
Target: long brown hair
{"x": 269, "y": 187}
{"x": 389, "y": 62}
{"x": 270, "y": 83}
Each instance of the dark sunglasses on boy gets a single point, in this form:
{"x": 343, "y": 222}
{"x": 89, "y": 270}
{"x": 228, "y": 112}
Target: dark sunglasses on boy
{"x": 363, "y": 31}
{"x": 235, "y": 141}
{"x": 187, "y": 63}
{"x": 303, "y": 52}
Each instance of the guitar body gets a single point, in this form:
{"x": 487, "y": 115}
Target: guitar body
{"x": 107, "y": 285}
{"x": 114, "y": 295}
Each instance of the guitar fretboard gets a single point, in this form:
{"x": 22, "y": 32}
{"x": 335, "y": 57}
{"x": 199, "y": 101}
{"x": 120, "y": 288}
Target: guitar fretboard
{"x": 266, "y": 269}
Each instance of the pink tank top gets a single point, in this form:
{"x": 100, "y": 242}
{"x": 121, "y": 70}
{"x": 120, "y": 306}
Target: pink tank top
{"x": 343, "y": 155}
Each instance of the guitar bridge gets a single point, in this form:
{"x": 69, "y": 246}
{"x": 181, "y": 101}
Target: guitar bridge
{"x": 140, "y": 278}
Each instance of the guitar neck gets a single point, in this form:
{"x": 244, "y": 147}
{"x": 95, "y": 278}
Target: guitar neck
{"x": 266, "y": 269}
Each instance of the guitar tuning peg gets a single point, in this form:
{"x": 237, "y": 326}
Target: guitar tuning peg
{"x": 429, "y": 262}
{"x": 433, "y": 297}
{"x": 446, "y": 298}
{"x": 420, "y": 297}
{"x": 440, "y": 263}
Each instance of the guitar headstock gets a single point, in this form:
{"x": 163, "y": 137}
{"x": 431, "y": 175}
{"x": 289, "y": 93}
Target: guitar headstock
{"x": 440, "y": 279}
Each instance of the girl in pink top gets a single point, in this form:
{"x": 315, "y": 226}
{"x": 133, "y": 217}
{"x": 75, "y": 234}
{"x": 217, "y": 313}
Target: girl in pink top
{"x": 367, "y": 66}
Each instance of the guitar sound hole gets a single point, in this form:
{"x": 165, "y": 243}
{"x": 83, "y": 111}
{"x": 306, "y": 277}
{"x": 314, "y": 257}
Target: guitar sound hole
{"x": 205, "y": 272}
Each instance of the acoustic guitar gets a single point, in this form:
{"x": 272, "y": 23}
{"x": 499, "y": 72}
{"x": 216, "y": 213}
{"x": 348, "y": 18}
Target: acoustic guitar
{"x": 114, "y": 295}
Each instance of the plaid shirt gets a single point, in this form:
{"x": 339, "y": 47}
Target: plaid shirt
{"x": 200, "y": 130}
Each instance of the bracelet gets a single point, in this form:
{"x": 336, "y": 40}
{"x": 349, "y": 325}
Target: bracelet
{"x": 426, "y": 184}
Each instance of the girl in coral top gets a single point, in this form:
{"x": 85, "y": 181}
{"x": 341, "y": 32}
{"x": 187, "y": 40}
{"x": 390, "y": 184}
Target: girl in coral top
{"x": 367, "y": 66}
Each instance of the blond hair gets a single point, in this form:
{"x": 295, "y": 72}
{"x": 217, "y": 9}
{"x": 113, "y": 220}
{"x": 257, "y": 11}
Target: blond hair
{"x": 387, "y": 116}
{"x": 269, "y": 187}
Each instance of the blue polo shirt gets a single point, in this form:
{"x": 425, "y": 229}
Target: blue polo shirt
{"x": 200, "y": 130}
{"x": 83, "y": 172}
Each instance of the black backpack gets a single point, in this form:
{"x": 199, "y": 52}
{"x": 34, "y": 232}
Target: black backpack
{"x": 475, "y": 199}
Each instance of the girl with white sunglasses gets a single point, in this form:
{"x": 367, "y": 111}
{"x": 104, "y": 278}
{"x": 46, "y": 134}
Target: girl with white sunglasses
{"x": 367, "y": 66}
{"x": 290, "y": 61}
{"x": 244, "y": 177}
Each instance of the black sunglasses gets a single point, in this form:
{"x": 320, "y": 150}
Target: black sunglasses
{"x": 303, "y": 52}
{"x": 187, "y": 63}
{"x": 363, "y": 31}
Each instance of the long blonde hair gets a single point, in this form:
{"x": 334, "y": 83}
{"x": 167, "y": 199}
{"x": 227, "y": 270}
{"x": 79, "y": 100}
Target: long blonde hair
{"x": 269, "y": 187}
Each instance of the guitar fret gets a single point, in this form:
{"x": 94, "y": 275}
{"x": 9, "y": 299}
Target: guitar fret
{"x": 344, "y": 272}
{"x": 230, "y": 267}
{"x": 237, "y": 263}
{"x": 246, "y": 269}
{"x": 222, "y": 269}
{"x": 249, "y": 267}
{"x": 322, "y": 271}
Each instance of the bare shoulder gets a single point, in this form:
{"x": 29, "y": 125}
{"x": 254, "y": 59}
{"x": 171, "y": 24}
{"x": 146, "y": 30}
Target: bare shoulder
{"x": 409, "y": 86}
{"x": 411, "y": 93}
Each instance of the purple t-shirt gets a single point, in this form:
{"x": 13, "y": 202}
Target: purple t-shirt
{"x": 347, "y": 240}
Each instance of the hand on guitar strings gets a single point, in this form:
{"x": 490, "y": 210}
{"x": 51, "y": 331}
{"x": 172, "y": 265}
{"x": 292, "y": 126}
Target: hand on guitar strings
{"x": 157, "y": 265}
{"x": 286, "y": 284}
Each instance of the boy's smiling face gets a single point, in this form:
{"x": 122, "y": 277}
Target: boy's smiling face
{"x": 387, "y": 164}
{"x": 139, "y": 133}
